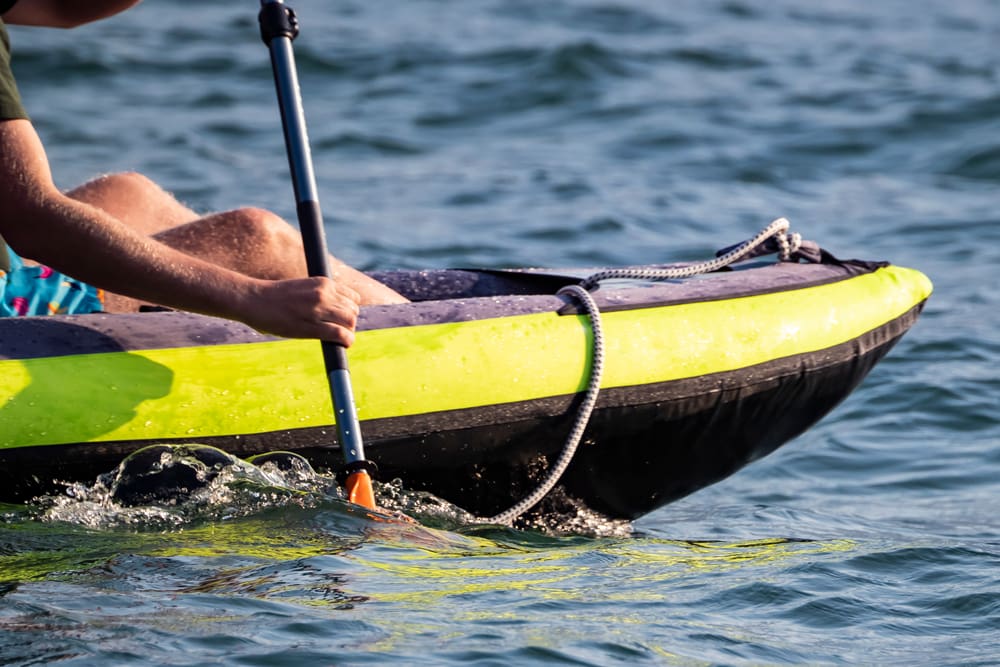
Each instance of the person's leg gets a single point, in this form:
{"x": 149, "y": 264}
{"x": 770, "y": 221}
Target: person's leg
{"x": 136, "y": 201}
{"x": 260, "y": 244}
{"x": 249, "y": 240}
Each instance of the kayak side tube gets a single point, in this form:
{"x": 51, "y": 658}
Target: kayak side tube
{"x": 468, "y": 396}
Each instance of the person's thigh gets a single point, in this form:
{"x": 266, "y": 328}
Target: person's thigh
{"x": 135, "y": 200}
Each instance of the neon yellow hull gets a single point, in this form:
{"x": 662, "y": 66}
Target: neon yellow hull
{"x": 450, "y": 386}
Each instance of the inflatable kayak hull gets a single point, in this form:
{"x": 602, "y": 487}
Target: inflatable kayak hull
{"x": 470, "y": 391}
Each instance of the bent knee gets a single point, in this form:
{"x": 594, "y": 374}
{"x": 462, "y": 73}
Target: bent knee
{"x": 263, "y": 225}
{"x": 271, "y": 238}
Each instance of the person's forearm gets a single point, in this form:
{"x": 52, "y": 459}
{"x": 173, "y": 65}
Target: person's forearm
{"x": 89, "y": 245}
{"x": 64, "y": 13}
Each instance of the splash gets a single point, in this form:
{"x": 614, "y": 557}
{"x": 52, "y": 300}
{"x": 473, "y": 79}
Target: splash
{"x": 168, "y": 486}
{"x": 558, "y": 514}
{"x": 164, "y": 487}
{"x": 424, "y": 507}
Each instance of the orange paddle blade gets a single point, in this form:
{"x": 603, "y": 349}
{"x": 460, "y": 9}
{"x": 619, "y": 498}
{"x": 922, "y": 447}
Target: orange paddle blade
{"x": 359, "y": 489}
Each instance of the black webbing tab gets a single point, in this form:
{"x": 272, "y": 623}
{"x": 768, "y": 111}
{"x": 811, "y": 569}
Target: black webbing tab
{"x": 277, "y": 20}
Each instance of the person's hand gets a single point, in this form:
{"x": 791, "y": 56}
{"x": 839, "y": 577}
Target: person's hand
{"x": 303, "y": 308}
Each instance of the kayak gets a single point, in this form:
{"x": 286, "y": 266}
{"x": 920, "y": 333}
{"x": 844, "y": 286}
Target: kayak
{"x": 469, "y": 391}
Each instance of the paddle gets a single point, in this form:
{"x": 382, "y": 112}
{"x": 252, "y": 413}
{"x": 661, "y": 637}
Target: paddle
{"x": 278, "y": 27}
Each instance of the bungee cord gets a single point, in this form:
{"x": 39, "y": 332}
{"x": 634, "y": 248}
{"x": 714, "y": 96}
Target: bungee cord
{"x": 788, "y": 245}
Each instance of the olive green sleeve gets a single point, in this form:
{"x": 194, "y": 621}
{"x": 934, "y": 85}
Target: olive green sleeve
{"x": 4, "y": 258}
{"x": 10, "y": 103}
{"x": 10, "y": 99}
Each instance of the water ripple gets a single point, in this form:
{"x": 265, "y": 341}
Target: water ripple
{"x": 499, "y": 133}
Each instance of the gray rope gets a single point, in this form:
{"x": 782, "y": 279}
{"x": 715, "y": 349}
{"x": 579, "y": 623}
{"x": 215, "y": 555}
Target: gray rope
{"x": 787, "y": 243}
{"x": 582, "y": 417}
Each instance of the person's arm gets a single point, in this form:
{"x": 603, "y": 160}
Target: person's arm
{"x": 64, "y": 13}
{"x": 40, "y": 222}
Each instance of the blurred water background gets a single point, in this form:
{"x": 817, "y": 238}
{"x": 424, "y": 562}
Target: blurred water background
{"x": 569, "y": 132}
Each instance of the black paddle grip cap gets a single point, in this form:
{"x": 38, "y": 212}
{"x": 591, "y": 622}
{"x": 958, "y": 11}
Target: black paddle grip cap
{"x": 277, "y": 20}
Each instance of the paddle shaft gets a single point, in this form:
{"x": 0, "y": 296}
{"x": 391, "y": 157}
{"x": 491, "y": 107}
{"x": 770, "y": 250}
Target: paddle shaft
{"x": 278, "y": 29}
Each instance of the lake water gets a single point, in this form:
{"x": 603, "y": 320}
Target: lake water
{"x": 508, "y": 132}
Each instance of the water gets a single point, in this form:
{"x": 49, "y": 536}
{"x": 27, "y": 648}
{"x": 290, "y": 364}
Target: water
{"x": 498, "y": 133}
